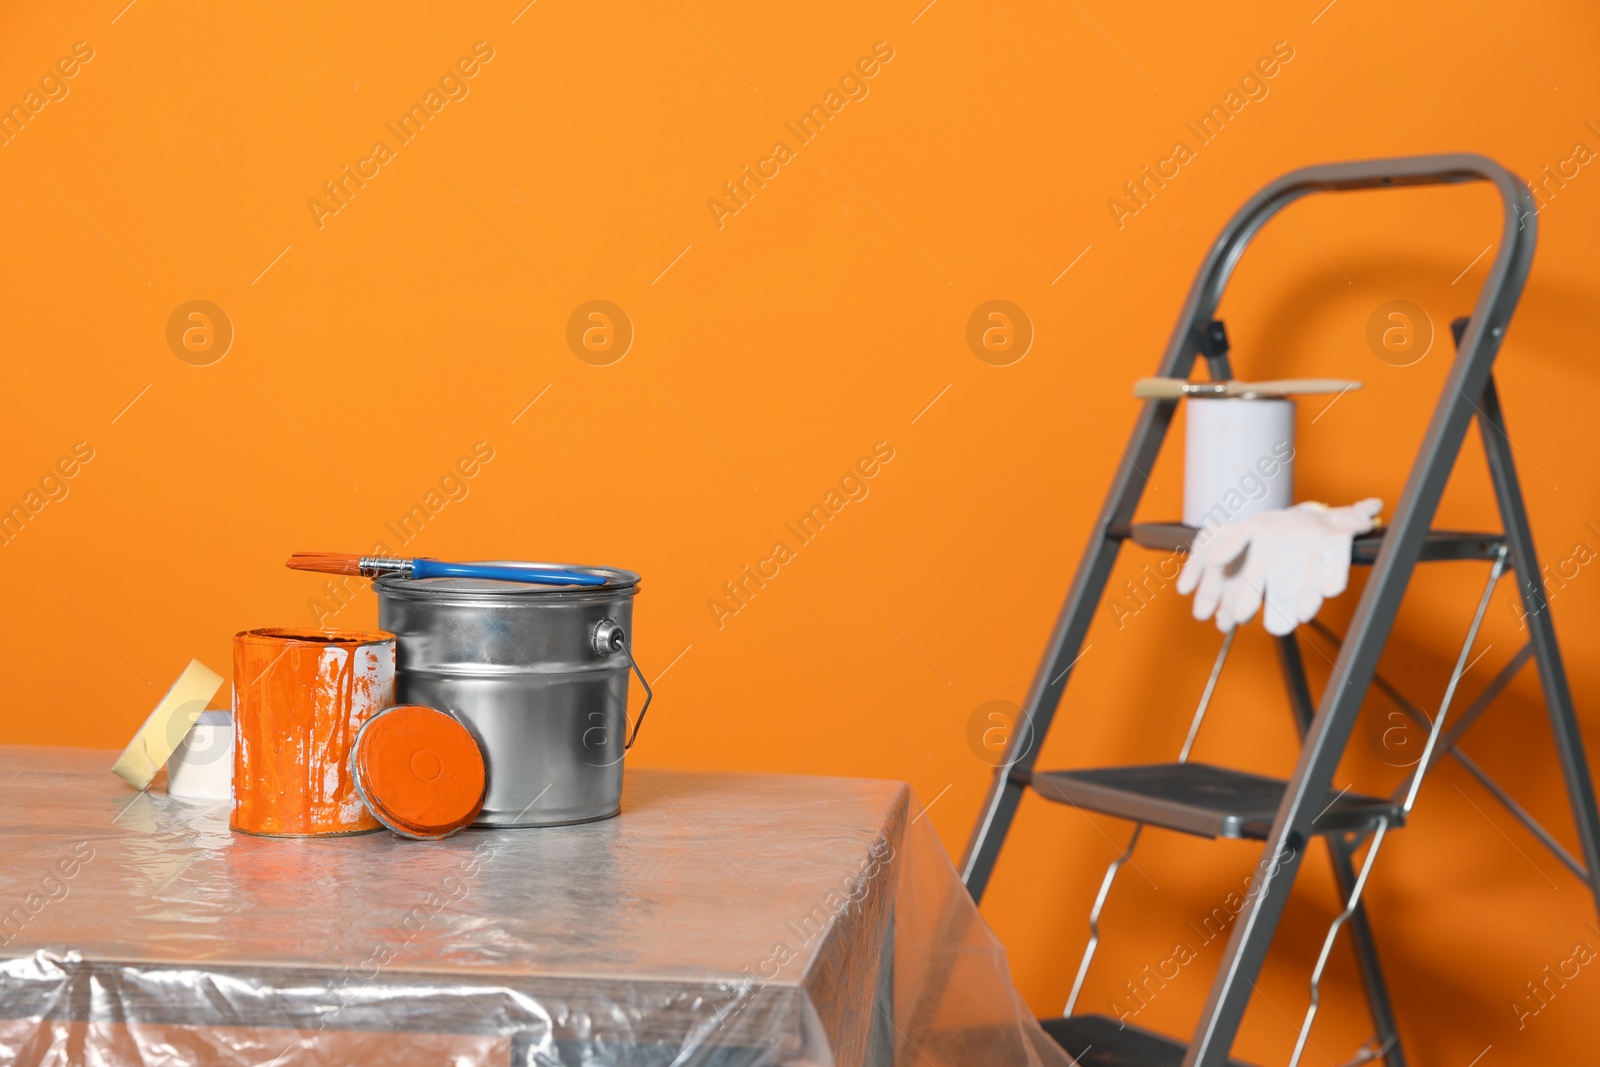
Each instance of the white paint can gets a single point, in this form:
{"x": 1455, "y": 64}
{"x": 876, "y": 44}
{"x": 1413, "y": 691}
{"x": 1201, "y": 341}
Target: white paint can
{"x": 1238, "y": 458}
{"x": 201, "y": 767}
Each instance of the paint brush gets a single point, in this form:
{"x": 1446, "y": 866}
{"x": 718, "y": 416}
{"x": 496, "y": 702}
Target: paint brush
{"x": 422, "y": 567}
{"x": 1173, "y": 388}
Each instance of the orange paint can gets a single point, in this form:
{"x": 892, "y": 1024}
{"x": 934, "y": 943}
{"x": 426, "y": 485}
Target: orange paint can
{"x": 300, "y": 697}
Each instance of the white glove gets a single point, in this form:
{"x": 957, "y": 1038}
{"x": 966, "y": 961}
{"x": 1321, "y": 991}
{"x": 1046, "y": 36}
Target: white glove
{"x": 1292, "y": 558}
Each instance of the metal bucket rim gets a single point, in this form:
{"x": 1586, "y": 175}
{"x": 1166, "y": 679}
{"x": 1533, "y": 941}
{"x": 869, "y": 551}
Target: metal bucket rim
{"x": 438, "y": 590}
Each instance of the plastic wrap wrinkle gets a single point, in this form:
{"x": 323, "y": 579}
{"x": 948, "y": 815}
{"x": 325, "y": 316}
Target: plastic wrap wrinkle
{"x": 722, "y": 920}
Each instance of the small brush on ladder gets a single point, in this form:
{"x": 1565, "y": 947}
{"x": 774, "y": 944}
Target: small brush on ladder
{"x": 423, "y": 567}
{"x": 1175, "y": 388}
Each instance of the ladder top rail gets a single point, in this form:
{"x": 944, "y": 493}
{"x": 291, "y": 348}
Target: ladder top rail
{"x": 1501, "y": 289}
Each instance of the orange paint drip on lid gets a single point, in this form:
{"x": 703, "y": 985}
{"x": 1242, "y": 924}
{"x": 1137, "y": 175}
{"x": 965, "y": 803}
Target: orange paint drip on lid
{"x": 420, "y": 772}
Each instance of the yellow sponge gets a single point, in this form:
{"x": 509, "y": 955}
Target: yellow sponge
{"x": 167, "y": 725}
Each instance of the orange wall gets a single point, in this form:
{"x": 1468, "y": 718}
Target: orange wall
{"x": 773, "y": 348}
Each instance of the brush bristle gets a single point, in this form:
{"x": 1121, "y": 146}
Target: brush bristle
{"x": 326, "y": 562}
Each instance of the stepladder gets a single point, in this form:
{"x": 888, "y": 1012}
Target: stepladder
{"x": 1287, "y": 814}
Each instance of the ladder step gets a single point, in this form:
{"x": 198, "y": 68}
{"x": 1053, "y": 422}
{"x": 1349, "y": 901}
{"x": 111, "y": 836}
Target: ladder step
{"x": 1198, "y": 798}
{"x": 1101, "y": 1041}
{"x": 1441, "y": 544}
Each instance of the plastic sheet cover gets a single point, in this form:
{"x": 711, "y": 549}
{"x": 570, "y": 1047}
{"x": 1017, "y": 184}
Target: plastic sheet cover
{"x": 722, "y": 919}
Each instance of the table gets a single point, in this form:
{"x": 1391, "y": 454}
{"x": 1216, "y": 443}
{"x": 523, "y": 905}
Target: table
{"x": 722, "y": 919}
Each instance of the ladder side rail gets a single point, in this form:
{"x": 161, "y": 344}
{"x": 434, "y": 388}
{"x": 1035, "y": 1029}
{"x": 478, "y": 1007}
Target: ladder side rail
{"x": 1542, "y": 633}
{"x": 1391, "y": 570}
{"x": 1050, "y": 680}
{"x": 1094, "y": 571}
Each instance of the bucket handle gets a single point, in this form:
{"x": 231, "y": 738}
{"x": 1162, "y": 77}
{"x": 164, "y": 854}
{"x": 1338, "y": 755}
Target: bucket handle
{"x": 608, "y": 639}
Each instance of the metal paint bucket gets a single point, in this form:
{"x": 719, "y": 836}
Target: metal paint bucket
{"x": 299, "y": 699}
{"x": 537, "y": 673}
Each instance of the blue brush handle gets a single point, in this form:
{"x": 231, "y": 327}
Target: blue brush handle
{"x": 432, "y": 568}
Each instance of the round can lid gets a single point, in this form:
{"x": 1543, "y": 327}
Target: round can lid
{"x": 419, "y": 771}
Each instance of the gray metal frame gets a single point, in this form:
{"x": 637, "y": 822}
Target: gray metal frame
{"x": 1469, "y": 392}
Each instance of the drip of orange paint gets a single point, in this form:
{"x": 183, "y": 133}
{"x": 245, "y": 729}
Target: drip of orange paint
{"x": 299, "y": 698}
